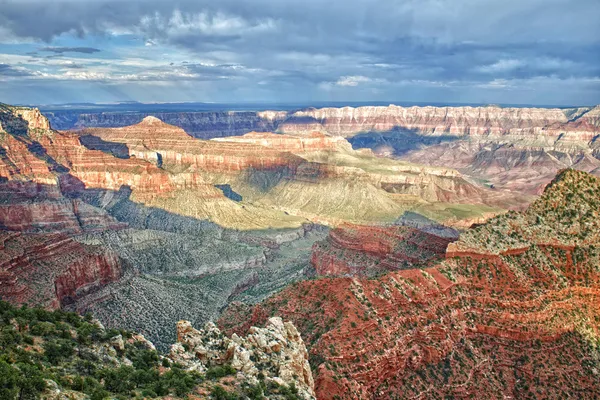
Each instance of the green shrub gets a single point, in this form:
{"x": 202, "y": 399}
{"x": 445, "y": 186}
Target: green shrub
{"x": 220, "y": 371}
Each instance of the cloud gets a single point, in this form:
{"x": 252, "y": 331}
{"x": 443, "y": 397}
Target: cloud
{"x": 274, "y": 50}
{"x": 61, "y": 50}
{"x": 10, "y": 71}
{"x": 500, "y": 66}
{"x": 219, "y": 25}
{"x": 352, "y": 80}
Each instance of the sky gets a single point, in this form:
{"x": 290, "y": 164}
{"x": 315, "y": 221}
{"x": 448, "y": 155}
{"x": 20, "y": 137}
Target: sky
{"x": 539, "y": 52}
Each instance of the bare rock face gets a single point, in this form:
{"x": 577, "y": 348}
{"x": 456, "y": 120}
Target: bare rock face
{"x": 468, "y": 121}
{"x": 52, "y": 269}
{"x": 315, "y": 141}
{"x": 277, "y": 351}
{"x": 167, "y": 145}
{"x": 34, "y": 118}
{"x": 351, "y": 250}
{"x": 511, "y": 312}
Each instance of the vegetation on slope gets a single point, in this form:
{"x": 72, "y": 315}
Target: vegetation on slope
{"x": 57, "y": 354}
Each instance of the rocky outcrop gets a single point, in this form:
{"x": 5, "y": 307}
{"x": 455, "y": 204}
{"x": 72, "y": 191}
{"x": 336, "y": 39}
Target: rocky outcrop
{"x": 369, "y": 250}
{"x": 275, "y": 351}
{"x": 167, "y": 146}
{"x": 52, "y": 270}
{"x": 27, "y": 118}
{"x": 513, "y": 313}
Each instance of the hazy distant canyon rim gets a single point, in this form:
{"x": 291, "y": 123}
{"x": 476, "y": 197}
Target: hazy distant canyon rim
{"x": 516, "y": 149}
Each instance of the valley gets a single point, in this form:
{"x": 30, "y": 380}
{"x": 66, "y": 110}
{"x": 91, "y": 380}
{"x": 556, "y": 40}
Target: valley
{"x": 418, "y": 252}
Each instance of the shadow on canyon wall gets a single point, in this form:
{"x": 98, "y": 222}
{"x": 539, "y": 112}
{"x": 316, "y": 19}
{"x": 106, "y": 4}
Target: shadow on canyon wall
{"x": 214, "y": 124}
{"x": 201, "y": 124}
{"x": 18, "y": 128}
{"x": 119, "y": 150}
{"x": 397, "y": 141}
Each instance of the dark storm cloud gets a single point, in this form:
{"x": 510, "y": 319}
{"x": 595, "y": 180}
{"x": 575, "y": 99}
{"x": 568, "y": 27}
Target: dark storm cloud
{"x": 340, "y": 43}
{"x": 10, "y": 71}
{"x": 61, "y": 50}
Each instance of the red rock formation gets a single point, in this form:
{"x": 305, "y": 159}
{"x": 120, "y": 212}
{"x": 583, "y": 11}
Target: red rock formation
{"x": 87, "y": 274}
{"x": 164, "y": 144}
{"x": 366, "y": 250}
{"x": 52, "y": 269}
{"x": 516, "y": 317}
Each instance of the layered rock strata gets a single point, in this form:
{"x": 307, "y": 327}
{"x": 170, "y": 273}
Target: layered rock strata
{"x": 511, "y": 312}
{"x": 52, "y": 269}
{"x": 370, "y": 250}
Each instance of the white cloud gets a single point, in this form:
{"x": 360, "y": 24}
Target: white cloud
{"x": 496, "y": 84}
{"x": 537, "y": 64}
{"x": 500, "y": 66}
{"x": 352, "y": 80}
{"x": 181, "y": 24}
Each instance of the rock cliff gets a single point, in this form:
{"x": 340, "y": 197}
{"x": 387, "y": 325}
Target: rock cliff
{"x": 53, "y": 270}
{"x": 511, "y": 312}
{"x": 349, "y": 121}
{"x": 203, "y": 125}
{"x": 370, "y": 250}
{"x": 454, "y": 121}
{"x": 275, "y": 351}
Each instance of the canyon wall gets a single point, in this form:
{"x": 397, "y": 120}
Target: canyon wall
{"x": 52, "y": 269}
{"x": 514, "y": 149}
{"x": 369, "y": 250}
{"x": 204, "y": 125}
{"x": 511, "y": 312}
{"x": 349, "y": 121}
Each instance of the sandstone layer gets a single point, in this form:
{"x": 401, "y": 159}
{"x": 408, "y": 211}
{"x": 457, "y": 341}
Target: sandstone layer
{"x": 517, "y": 149}
{"x": 369, "y": 250}
{"x": 53, "y": 270}
{"x": 512, "y": 312}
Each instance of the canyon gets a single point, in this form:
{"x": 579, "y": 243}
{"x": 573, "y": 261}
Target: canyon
{"x": 88, "y": 230}
{"x": 190, "y": 224}
{"x": 512, "y": 310}
{"x": 516, "y": 149}
{"x": 418, "y": 252}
